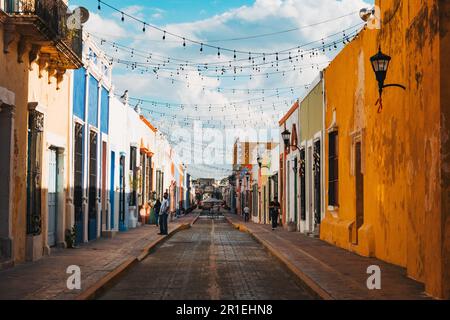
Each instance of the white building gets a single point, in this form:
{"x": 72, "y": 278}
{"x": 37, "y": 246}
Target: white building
{"x": 289, "y": 169}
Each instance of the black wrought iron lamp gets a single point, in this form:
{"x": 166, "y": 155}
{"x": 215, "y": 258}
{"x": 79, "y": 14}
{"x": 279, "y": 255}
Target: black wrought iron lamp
{"x": 260, "y": 163}
{"x": 380, "y": 65}
{"x": 286, "y": 135}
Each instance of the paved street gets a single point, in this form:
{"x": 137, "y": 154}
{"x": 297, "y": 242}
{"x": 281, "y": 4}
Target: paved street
{"x": 46, "y": 278}
{"x": 212, "y": 260}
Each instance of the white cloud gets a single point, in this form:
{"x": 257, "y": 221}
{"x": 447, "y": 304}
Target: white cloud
{"x": 111, "y": 28}
{"x": 264, "y": 16}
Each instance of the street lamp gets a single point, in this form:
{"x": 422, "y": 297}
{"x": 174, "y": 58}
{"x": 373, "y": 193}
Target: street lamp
{"x": 260, "y": 163}
{"x": 380, "y": 65}
{"x": 286, "y": 135}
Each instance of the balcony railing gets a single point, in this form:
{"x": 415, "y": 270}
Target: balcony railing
{"x": 52, "y": 16}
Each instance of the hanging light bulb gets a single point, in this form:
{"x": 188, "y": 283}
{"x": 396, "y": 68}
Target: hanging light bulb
{"x": 99, "y": 6}
{"x": 164, "y": 36}
{"x": 218, "y": 52}
{"x": 143, "y": 29}
{"x": 201, "y": 47}
{"x": 123, "y": 17}
{"x": 184, "y": 42}
{"x": 234, "y": 54}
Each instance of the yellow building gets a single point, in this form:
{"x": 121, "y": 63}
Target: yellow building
{"x": 388, "y": 186}
{"x": 37, "y": 50}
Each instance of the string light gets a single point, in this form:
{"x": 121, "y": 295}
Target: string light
{"x": 211, "y": 46}
{"x": 264, "y": 63}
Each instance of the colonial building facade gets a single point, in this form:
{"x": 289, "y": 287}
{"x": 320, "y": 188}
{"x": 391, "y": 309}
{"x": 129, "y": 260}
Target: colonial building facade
{"x": 289, "y": 169}
{"x": 311, "y": 162}
{"x": 388, "y": 186}
{"x": 35, "y": 117}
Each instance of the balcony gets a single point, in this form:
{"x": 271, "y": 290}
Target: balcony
{"x": 42, "y": 26}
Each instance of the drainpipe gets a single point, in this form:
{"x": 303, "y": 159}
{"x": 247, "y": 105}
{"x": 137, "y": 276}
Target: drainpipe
{"x": 322, "y": 158}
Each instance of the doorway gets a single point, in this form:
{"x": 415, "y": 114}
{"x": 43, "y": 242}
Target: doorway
{"x": 303, "y": 184}
{"x": 295, "y": 191}
{"x": 104, "y": 217}
{"x": 359, "y": 177}
{"x": 310, "y": 189}
{"x": 78, "y": 183}
{"x": 92, "y": 226}
{"x": 52, "y": 197}
{"x": 317, "y": 184}
{"x": 112, "y": 191}
{"x": 122, "y": 226}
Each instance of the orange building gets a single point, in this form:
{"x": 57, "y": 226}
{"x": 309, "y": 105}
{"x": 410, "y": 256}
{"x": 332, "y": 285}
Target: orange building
{"x": 388, "y": 182}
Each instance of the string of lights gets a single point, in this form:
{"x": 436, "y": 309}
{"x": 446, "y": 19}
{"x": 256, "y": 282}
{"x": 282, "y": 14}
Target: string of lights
{"x": 183, "y": 38}
{"x": 227, "y": 124}
{"x": 345, "y": 37}
{"x": 142, "y": 70}
{"x": 182, "y": 105}
{"x": 271, "y": 106}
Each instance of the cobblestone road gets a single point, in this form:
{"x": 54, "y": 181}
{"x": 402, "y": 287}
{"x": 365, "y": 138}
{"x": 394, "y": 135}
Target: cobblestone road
{"x": 212, "y": 260}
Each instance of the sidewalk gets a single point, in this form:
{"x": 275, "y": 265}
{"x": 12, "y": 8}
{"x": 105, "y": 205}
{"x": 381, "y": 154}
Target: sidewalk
{"x": 333, "y": 273}
{"x": 99, "y": 261}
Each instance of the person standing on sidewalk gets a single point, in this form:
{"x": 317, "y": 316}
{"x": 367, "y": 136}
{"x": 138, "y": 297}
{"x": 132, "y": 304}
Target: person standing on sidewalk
{"x": 274, "y": 207}
{"x": 163, "y": 215}
{"x": 246, "y": 213}
{"x": 157, "y": 209}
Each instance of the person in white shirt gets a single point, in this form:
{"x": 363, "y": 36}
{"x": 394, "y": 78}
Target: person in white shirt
{"x": 246, "y": 213}
{"x": 163, "y": 215}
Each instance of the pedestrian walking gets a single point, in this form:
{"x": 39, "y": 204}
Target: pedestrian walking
{"x": 246, "y": 214}
{"x": 274, "y": 209}
{"x": 157, "y": 209}
{"x": 163, "y": 215}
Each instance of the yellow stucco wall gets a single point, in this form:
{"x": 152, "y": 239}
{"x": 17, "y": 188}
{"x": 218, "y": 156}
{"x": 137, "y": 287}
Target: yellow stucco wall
{"x": 14, "y": 77}
{"x": 28, "y": 87}
{"x": 401, "y": 146}
{"x": 55, "y": 104}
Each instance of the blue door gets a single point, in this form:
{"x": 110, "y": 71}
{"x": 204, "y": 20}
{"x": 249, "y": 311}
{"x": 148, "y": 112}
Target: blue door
{"x": 122, "y": 224}
{"x": 112, "y": 192}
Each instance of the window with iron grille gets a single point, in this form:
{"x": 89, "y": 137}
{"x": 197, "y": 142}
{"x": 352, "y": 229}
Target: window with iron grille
{"x": 35, "y": 131}
{"x": 333, "y": 174}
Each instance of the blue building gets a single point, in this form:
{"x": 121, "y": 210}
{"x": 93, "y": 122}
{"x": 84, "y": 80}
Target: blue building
{"x": 91, "y": 99}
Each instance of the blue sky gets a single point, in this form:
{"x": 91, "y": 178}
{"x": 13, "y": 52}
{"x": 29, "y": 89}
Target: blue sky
{"x": 204, "y": 21}
{"x": 175, "y": 11}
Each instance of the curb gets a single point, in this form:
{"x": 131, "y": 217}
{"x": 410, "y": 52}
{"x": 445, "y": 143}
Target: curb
{"x": 94, "y": 290}
{"x": 195, "y": 220}
{"x": 310, "y": 283}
